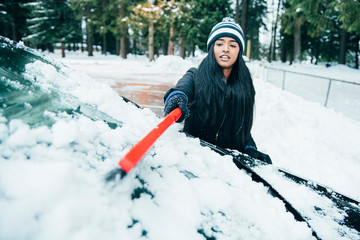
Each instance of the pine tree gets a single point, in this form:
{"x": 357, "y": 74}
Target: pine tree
{"x": 51, "y": 22}
{"x": 244, "y": 16}
{"x": 183, "y": 24}
{"x": 13, "y": 16}
{"x": 292, "y": 21}
{"x": 349, "y": 16}
{"x": 257, "y": 10}
{"x": 205, "y": 15}
{"x": 325, "y": 27}
{"x": 119, "y": 27}
{"x": 84, "y": 10}
{"x": 144, "y": 17}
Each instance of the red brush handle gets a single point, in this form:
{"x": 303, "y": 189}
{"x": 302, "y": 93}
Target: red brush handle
{"x": 138, "y": 151}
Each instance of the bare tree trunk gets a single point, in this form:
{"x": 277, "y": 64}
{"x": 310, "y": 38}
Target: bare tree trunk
{"x": 297, "y": 40}
{"x": 117, "y": 47}
{"x": 317, "y": 53}
{"x": 151, "y": 41}
{"x": 244, "y": 12}
{"x": 357, "y": 52}
{"x": 124, "y": 29}
{"x": 104, "y": 48}
{"x": 134, "y": 47}
{"x": 165, "y": 48}
{"x": 275, "y": 29}
{"x": 182, "y": 47}
{"x": 89, "y": 34}
{"x": 124, "y": 47}
{"x": 104, "y": 27}
{"x": 271, "y": 45}
{"x": 90, "y": 46}
{"x": 62, "y": 48}
{"x": 237, "y": 11}
{"x": 171, "y": 42}
{"x": 89, "y": 41}
{"x": 62, "y": 21}
{"x": 342, "y": 55}
{"x": 283, "y": 51}
{"x": 12, "y": 30}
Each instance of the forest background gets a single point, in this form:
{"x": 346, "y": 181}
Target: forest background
{"x": 300, "y": 30}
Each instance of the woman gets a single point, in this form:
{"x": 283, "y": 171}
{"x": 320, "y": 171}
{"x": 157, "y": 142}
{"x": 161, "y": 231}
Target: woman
{"x": 217, "y": 99}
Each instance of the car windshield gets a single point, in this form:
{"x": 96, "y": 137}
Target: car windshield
{"x": 26, "y": 94}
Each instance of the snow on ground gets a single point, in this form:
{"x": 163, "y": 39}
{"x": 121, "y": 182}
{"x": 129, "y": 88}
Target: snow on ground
{"x": 301, "y": 136}
{"x": 110, "y": 68}
{"x": 306, "y": 138}
{"x": 339, "y": 72}
{"x": 336, "y": 87}
{"x": 53, "y": 186}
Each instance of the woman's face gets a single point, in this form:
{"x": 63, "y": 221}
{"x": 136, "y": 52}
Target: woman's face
{"x": 226, "y": 51}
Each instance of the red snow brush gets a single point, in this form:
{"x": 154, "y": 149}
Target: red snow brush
{"x": 137, "y": 152}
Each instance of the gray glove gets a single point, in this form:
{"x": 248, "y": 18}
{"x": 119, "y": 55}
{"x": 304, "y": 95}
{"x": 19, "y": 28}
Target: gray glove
{"x": 179, "y": 100}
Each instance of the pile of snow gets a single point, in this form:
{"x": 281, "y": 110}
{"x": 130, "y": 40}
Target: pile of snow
{"x": 174, "y": 64}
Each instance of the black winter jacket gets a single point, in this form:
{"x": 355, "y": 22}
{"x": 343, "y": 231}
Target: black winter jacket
{"x": 223, "y": 134}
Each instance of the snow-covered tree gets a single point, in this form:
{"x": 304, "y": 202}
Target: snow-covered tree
{"x": 145, "y": 16}
{"x": 50, "y": 22}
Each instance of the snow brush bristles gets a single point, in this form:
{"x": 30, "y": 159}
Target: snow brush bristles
{"x": 137, "y": 152}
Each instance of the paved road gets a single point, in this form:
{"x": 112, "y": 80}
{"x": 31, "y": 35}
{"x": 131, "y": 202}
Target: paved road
{"x": 144, "y": 94}
{"x": 144, "y": 88}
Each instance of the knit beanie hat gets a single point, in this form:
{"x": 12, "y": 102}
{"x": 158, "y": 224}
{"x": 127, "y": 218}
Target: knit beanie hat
{"x": 227, "y": 28}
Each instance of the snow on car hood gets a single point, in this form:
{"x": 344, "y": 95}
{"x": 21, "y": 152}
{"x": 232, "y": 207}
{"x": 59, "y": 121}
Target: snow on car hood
{"x": 61, "y": 132}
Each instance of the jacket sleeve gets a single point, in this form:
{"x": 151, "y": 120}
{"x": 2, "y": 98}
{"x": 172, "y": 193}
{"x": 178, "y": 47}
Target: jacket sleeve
{"x": 185, "y": 84}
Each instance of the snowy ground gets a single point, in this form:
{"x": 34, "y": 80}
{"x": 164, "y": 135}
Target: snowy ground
{"x": 302, "y": 136}
{"x": 53, "y": 186}
{"x": 336, "y": 87}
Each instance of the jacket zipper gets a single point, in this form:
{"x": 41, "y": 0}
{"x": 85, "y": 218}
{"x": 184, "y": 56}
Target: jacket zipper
{"x": 217, "y": 134}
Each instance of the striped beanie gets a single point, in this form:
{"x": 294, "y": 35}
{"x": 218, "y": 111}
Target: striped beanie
{"x": 227, "y": 28}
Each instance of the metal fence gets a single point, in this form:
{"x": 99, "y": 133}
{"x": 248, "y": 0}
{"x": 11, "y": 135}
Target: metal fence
{"x": 343, "y": 96}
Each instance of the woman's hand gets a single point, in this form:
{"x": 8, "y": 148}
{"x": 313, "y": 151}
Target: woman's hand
{"x": 177, "y": 100}
{"x": 252, "y": 152}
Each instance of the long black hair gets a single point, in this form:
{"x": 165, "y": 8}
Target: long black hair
{"x": 214, "y": 93}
